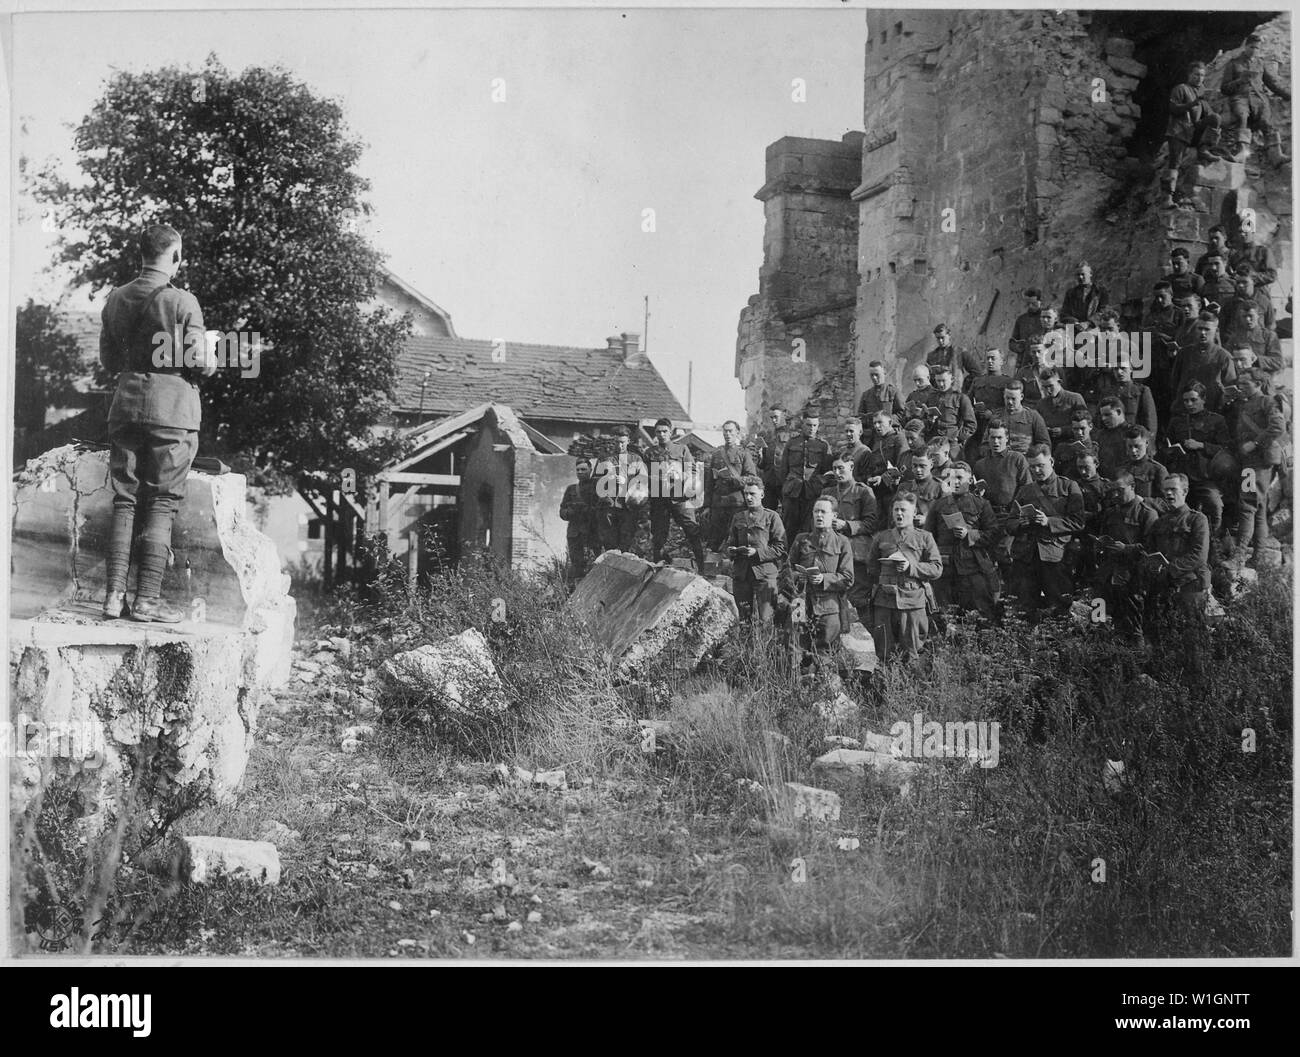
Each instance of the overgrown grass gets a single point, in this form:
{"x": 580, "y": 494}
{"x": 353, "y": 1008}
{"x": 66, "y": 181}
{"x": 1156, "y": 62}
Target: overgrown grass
{"x": 1035, "y": 857}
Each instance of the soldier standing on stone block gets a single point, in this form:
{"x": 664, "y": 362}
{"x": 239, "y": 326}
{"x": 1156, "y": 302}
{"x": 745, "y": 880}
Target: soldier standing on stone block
{"x": 756, "y": 546}
{"x": 803, "y": 462}
{"x": 673, "y": 481}
{"x": 723, "y": 472}
{"x": 1193, "y": 126}
{"x": 901, "y": 562}
{"x": 1245, "y": 80}
{"x": 578, "y": 509}
{"x": 965, "y": 528}
{"x": 153, "y": 422}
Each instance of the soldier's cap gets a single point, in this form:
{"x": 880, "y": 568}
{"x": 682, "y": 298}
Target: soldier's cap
{"x": 664, "y": 422}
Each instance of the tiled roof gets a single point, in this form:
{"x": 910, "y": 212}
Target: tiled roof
{"x": 537, "y": 381}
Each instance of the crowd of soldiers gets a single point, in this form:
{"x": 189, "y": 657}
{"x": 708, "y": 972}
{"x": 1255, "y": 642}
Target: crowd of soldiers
{"x": 1116, "y": 478}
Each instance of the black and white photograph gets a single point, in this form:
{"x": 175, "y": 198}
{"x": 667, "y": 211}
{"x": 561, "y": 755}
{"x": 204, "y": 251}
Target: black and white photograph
{"x": 650, "y": 485}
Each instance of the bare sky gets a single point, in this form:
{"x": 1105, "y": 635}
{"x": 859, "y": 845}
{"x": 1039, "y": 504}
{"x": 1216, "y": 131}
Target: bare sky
{"x": 521, "y": 218}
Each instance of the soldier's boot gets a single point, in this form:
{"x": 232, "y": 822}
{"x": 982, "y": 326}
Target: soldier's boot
{"x": 149, "y": 607}
{"x": 1242, "y": 152}
{"x": 1277, "y": 155}
{"x": 157, "y": 611}
{"x": 1167, "y": 185}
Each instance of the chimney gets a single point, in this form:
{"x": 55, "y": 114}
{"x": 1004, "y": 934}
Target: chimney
{"x": 614, "y": 343}
{"x": 631, "y": 345}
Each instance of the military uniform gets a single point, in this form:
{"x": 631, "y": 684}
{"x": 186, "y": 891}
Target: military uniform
{"x": 1112, "y": 448}
{"x": 1264, "y": 343}
{"x": 1057, "y": 413}
{"x": 1083, "y": 302}
{"x": 855, "y": 504}
{"x": 1025, "y": 427}
{"x": 1233, "y": 316}
{"x": 1211, "y": 366}
{"x": 1182, "y": 284}
{"x": 1118, "y": 578}
{"x": 970, "y": 575}
{"x": 899, "y": 598}
{"x": 722, "y": 488}
{"x": 617, "y": 515}
{"x": 803, "y": 462}
{"x": 153, "y": 421}
{"x": 1028, "y": 325}
{"x": 1209, "y": 468}
{"x": 1243, "y": 84}
{"x": 956, "y": 418}
{"x": 578, "y": 509}
{"x": 886, "y": 452}
{"x": 1260, "y": 421}
{"x": 672, "y": 473}
{"x": 859, "y": 455}
{"x": 926, "y": 492}
{"x": 1148, "y": 477}
{"x": 1039, "y": 572}
{"x": 884, "y": 397}
{"x": 769, "y": 468}
{"x": 985, "y": 390}
{"x": 831, "y": 554}
{"x": 753, "y": 580}
{"x": 1182, "y": 535}
{"x": 1259, "y": 259}
{"x": 1067, "y": 454}
{"x": 1002, "y": 475}
{"x": 1138, "y": 400}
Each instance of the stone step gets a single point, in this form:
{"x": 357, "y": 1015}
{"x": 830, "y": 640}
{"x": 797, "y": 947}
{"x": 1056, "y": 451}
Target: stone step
{"x": 1222, "y": 174}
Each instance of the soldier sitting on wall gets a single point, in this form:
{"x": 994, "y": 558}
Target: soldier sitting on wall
{"x": 1246, "y": 82}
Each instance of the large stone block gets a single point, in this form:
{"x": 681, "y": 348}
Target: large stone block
{"x": 456, "y": 674}
{"x": 650, "y": 618}
{"x": 1224, "y": 174}
{"x": 118, "y": 694}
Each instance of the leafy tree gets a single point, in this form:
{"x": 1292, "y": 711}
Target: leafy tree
{"x": 256, "y": 173}
{"x": 48, "y": 363}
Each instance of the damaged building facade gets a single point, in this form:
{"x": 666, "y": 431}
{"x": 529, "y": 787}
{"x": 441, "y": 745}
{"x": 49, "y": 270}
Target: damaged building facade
{"x": 1000, "y": 148}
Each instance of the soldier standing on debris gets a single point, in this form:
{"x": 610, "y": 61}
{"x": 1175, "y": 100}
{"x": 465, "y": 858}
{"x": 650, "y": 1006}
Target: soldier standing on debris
{"x": 1048, "y": 512}
{"x": 1126, "y": 522}
{"x": 1029, "y": 324}
{"x": 672, "y": 477}
{"x": 1260, "y": 431}
{"x": 1193, "y": 126}
{"x": 1198, "y": 440}
{"x": 804, "y": 461}
{"x": 756, "y": 546}
{"x": 955, "y": 421}
{"x": 1178, "y": 551}
{"x": 819, "y": 575}
{"x": 619, "y": 485}
{"x": 1245, "y": 79}
{"x": 723, "y": 471}
{"x": 855, "y": 519}
{"x": 879, "y": 395}
{"x": 578, "y": 508}
{"x": 901, "y": 561}
{"x": 153, "y": 422}
{"x": 965, "y": 528}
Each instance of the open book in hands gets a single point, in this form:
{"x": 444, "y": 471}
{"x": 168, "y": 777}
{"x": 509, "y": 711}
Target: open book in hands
{"x": 1026, "y": 512}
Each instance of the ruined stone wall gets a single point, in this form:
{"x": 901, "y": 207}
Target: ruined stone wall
{"x": 996, "y": 156}
{"x": 795, "y": 337}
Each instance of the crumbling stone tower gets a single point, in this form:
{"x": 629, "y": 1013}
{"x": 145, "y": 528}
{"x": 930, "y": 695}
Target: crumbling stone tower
{"x": 1001, "y": 148}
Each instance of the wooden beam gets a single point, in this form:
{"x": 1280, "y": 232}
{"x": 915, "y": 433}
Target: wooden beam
{"x": 445, "y": 479}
